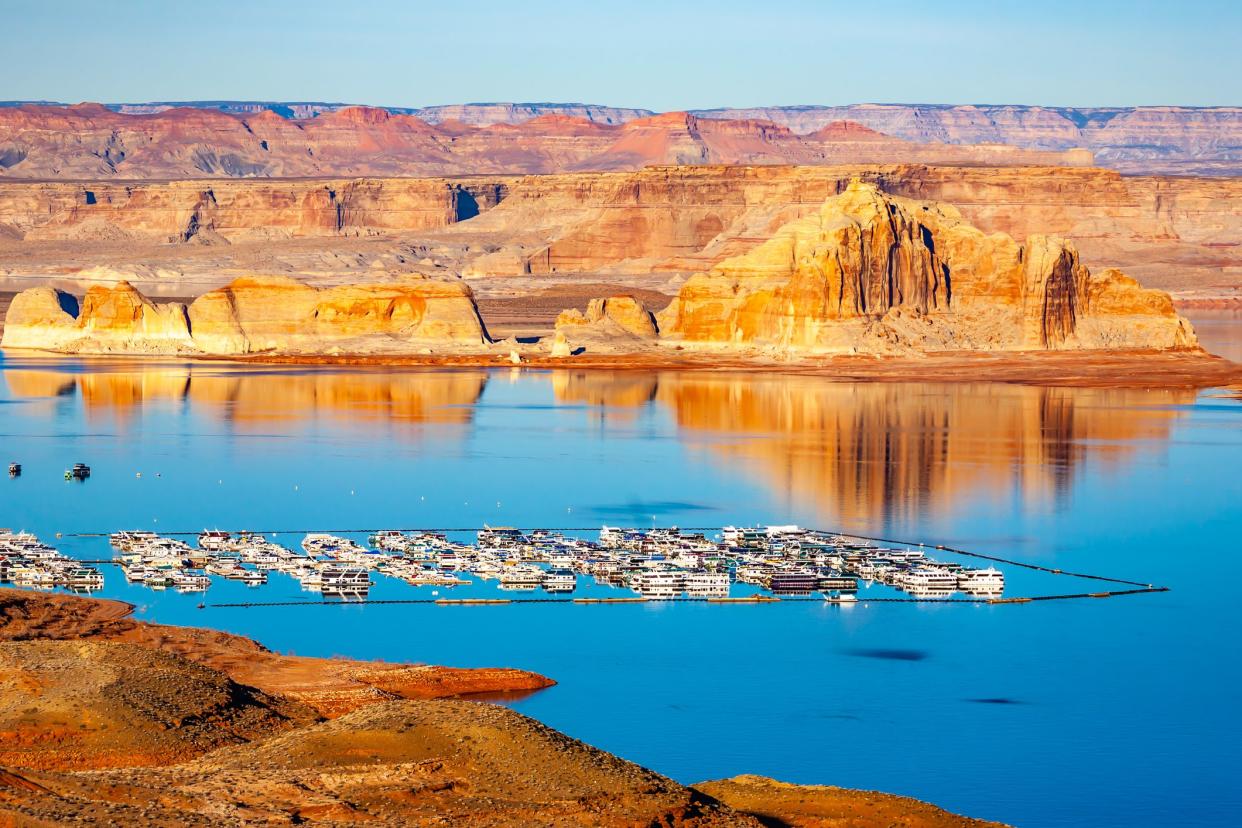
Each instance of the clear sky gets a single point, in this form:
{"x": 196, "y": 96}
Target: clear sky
{"x": 645, "y": 53}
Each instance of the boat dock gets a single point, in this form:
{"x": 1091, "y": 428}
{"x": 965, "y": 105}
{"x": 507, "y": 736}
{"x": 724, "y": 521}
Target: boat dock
{"x": 28, "y": 562}
{"x": 749, "y": 565}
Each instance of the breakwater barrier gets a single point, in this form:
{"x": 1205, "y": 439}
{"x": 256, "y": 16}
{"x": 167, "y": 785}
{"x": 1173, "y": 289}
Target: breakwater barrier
{"x": 761, "y": 599}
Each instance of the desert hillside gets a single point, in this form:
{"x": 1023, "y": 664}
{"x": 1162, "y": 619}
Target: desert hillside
{"x": 149, "y": 725}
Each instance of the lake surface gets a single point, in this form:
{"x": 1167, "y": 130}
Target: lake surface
{"x": 1219, "y": 331}
{"x": 1094, "y": 712}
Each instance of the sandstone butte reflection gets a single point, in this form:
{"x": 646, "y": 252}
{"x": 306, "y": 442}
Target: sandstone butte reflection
{"x": 264, "y": 400}
{"x": 867, "y": 453}
{"x": 620, "y": 391}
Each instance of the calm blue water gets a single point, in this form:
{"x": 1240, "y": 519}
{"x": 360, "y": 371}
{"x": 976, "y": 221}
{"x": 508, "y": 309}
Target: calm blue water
{"x": 1101, "y": 712}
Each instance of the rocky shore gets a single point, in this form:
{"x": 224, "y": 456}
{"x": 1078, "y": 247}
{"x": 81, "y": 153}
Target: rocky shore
{"x": 107, "y": 719}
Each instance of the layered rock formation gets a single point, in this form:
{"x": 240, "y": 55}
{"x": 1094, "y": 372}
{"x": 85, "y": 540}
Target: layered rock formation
{"x": 875, "y": 273}
{"x": 109, "y": 319}
{"x": 1176, "y": 233}
{"x": 234, "y": 211}
{"x": 624, "y": 315}
{"x": 1146, "y": 139}
{"x": 269, "y": 314}
{"x": 281, "y": 314}
{"x": 866, "y": 272}
{"x": 90, "y": 141}
{"x": 472, "y": 114}
{"x": 1167, "y": 139}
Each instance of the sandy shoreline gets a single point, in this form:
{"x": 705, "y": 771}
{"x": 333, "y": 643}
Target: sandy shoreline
{"x": 1083, "y": 369}
{"x": 1079, "y": 369}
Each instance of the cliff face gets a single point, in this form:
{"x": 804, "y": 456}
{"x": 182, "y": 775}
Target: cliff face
{"x": 188, "y": 211}
{"x": 272, "y": 314}
{"x": 1183, "y": 234}
{"x": 92, "y": 142}
{"x": 1177, "y": 233}
{"x": 623, "y": 315}
{"x": 116, "y": 319}
{"x": 875, "y": 273}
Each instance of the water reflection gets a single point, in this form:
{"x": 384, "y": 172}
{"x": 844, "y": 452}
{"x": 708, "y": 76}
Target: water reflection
{"x": 616, "y": 393}
{"x": 250, "y": 398}
{"x": 864, "y": 453}
{"x": 869, "y": 451}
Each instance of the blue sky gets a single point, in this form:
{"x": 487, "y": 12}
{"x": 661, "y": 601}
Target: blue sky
{"x": 659, "y": 55}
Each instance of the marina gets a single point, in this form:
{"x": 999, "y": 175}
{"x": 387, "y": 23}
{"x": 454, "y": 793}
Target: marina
{"x": 26, "y": 561}
{"x": 759, "y": 563}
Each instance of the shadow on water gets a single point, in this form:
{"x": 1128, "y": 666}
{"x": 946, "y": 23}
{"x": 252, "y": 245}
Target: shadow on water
{"x": 646, "y": 509}
{"x": 888, "y": 654}
{"x": 501, "y": 697}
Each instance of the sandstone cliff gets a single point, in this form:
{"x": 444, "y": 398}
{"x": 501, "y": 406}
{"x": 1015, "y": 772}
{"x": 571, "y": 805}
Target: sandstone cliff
{"x": 282, "y": 314}
{"x": 624, "y": 315}
{"x": 633, "y": 231}
{"x": 1175, "y": 233}
{"x": 1182, "y": 234}
{"x": 270, "y": 314}
{"x": 239, "y": 211}
{"x": 875, "y": 273}
{"x": 115, "y": 319}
